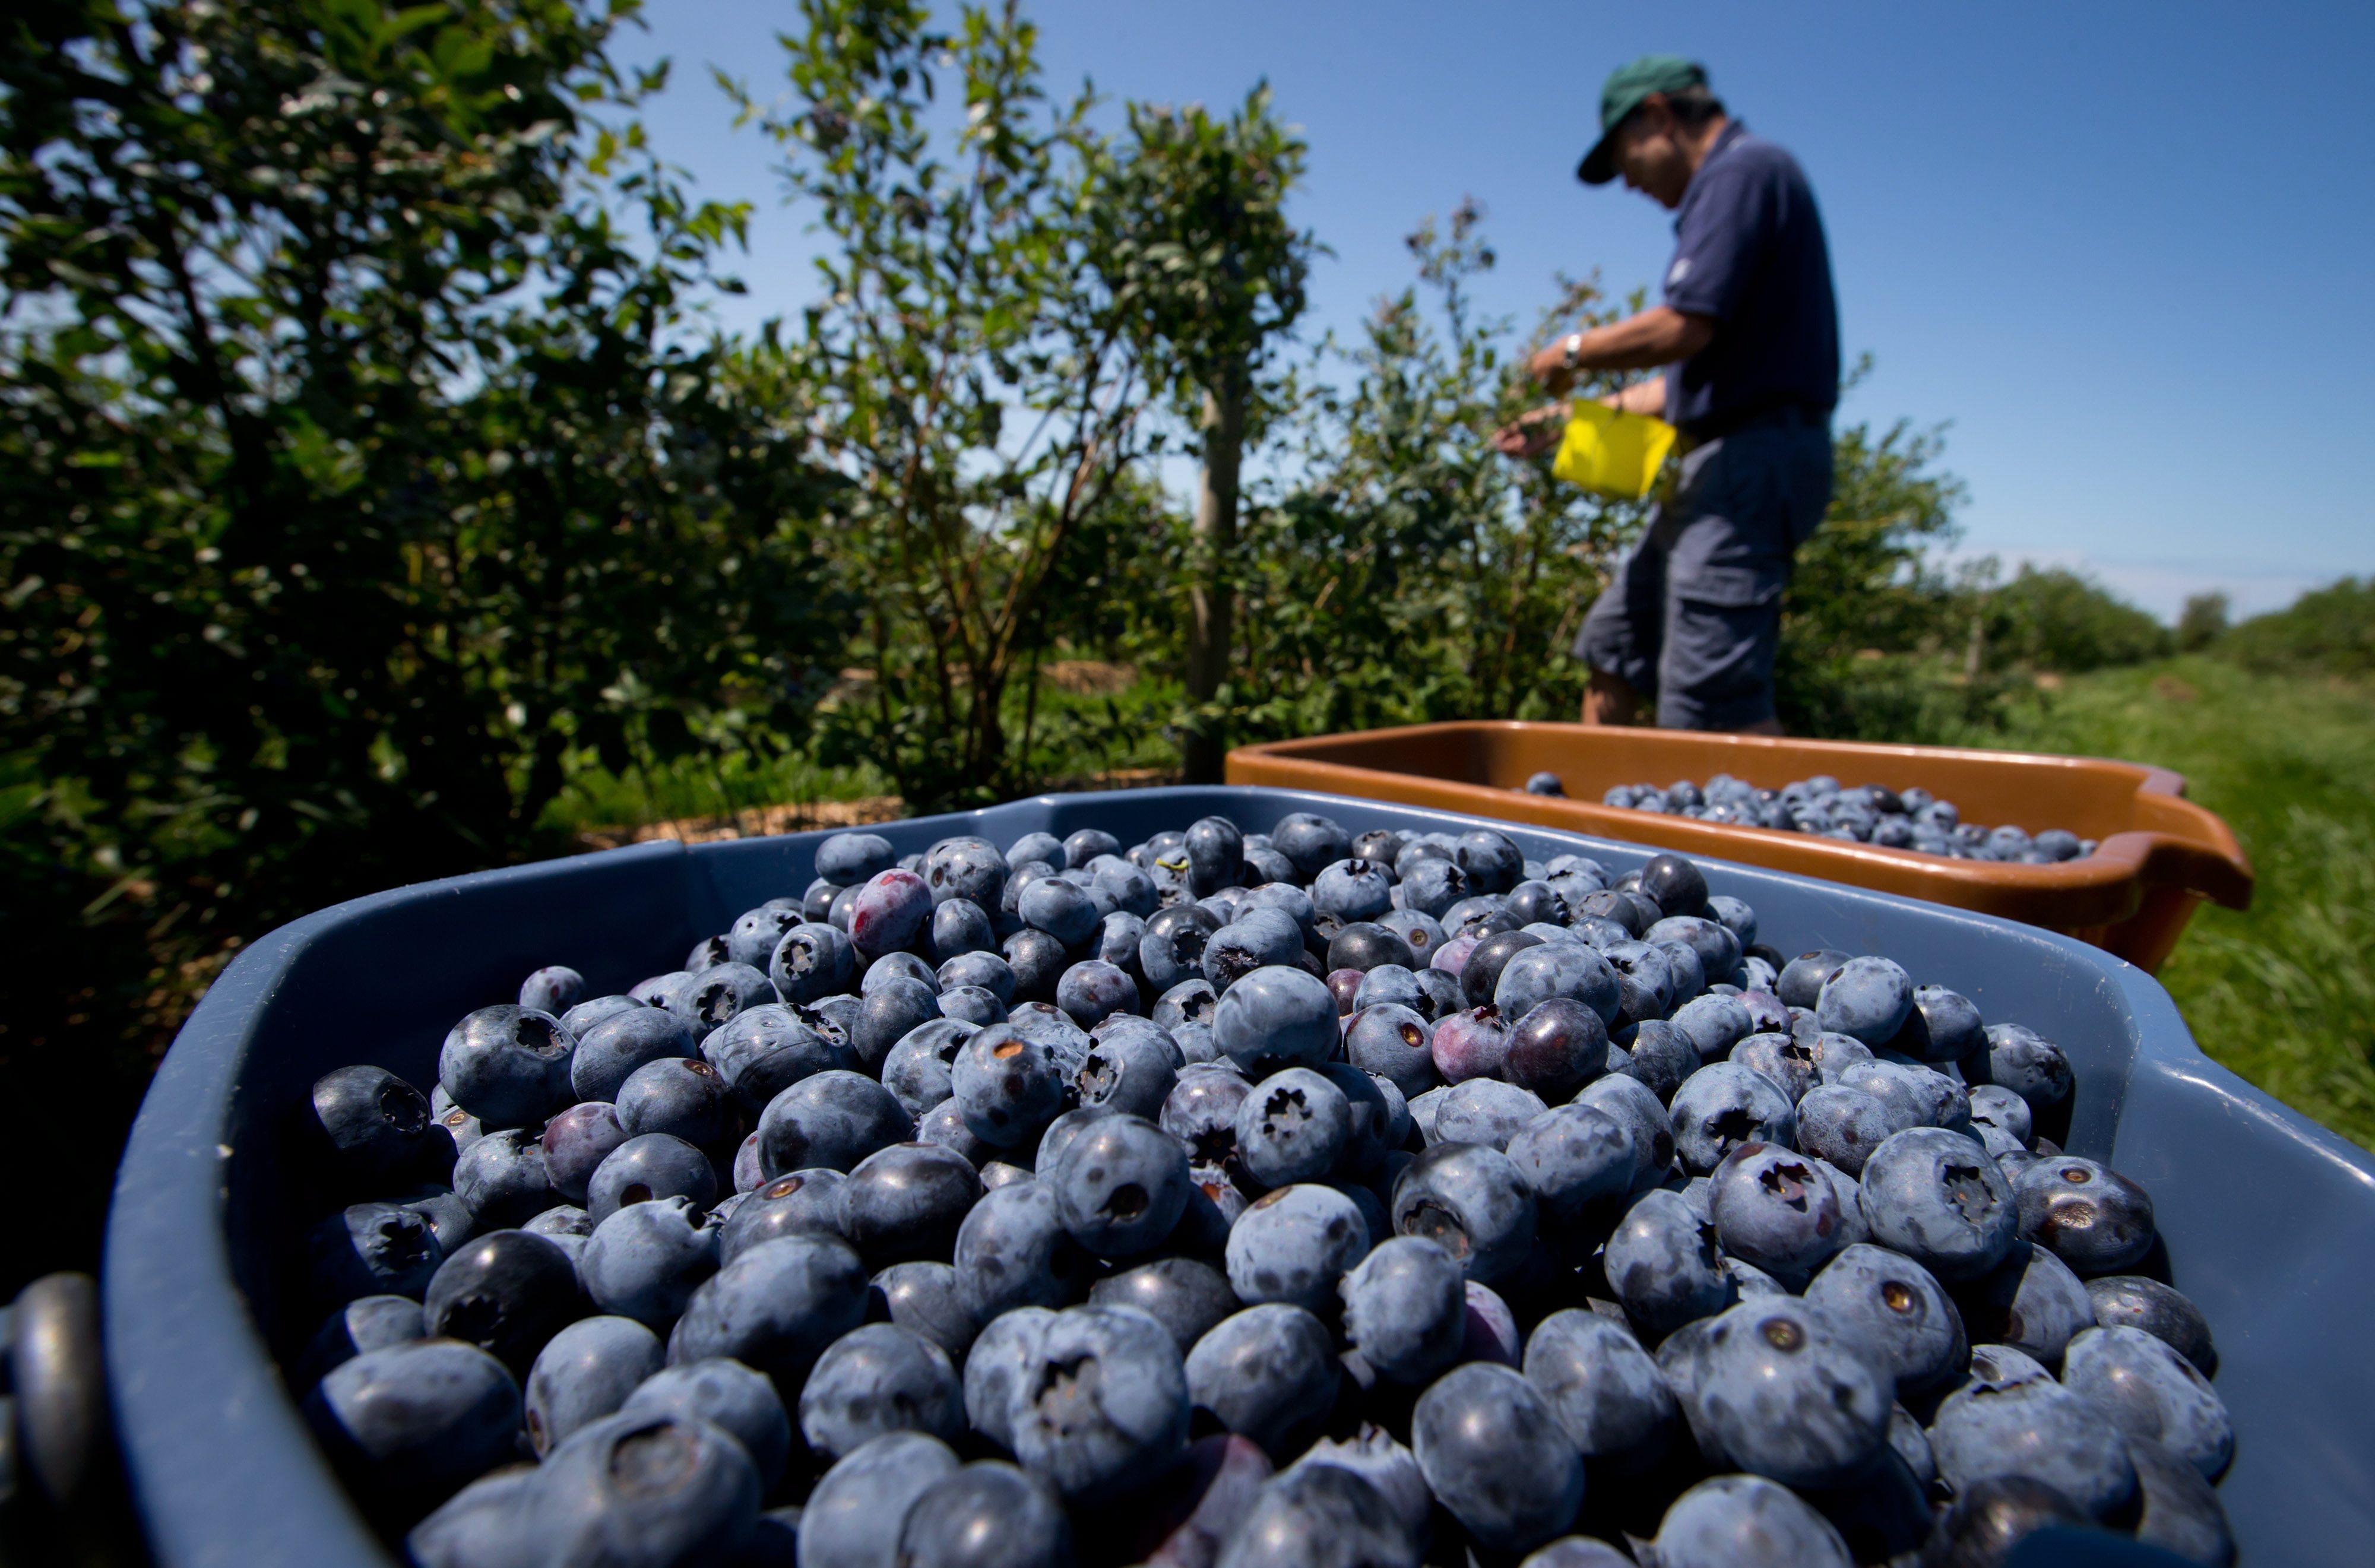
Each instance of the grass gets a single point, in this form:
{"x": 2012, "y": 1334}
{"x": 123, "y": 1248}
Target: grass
{"x": 2284, "y": 993}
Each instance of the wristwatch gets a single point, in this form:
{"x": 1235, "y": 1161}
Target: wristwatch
{"x": 1570, "y": 350}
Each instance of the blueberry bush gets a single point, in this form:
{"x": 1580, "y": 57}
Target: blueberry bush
{"x": 356, "y": 480}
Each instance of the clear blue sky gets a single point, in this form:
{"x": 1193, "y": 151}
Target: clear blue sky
{"x": 2127, "y": 250}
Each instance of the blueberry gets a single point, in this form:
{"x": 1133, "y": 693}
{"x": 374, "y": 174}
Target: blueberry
{"x": 1746, "y": 1522}
{"x": 856, "y": 1512}
{"x": 646, "y": 1260}
{"x": 1938, "y": 1198}
{"x": 717, "y": 995}
{"x": 1571, "y": 1157}
{"x": 1535, "y": 974}
{"x": 1361, "y": 946}
{"x": 1216, "y": 851}
{"x": 1844, "y": 1125}
{"x": 552, "y": 990}
{"x": 986, "y": 1515}
{"x": 1663, "y": 1264}
{"x": 798, "y": 1201}
{"x": 1389, "y": 1468}
{"x": 1276, "y": 1018}
{"x": 1258, "y": 939}
{"x": 1576, "y": 1552}
{"x": 2149, "y": 1390}
{"x": 1783, "y": 1391}
{"x": 653, "y": 1166}
{"x": 1494, "y": 1454}
{"x": 1294, "y": 1245}
{"x": 1184, "y": 1295}
{"x": 584, "y": 1372}
{"x": 2088, "y": 1215}
{"x": 978, "y": 970}
{"x": 367, "y": 1322}
{"x": 2024, "y": 1062}
{"x": 372, "y": 1249}
{"x": 767, "y": 1049}
{"x": 2036, "y": 1429}
{"x": 906, "y": 1202}
{"x": 2030, "y": 1302}
{"x": 1943, "y": 1027}
{"x": 1310, "y": 841}
{"x": 685, "y": 1099}
{"x": 1471, "y": 1200}
{"x": 774, "y": 1307}
{"x": 1268, "y": 1372}
{"x": 507, "y": 1293}
{"x": 1709, "y": 941}
{"x": 1191, "y": 1001}
{"x": 1645, "y": 985}
{"x": 2180, "y": 1512}
{"x": 1320, "y": 1516}
{"x": 586, "y": 1014}
{"x": 407, "y": 1424}
{"x": 1059, "y": 909}
{"x": 1558, "y": 1045}
{"x": 369, "y": 1127}
{"x": 1658, "y": 1057}
{"x": 643, "y": 1491}
{"x": 1294, "y": 1127}
{"x": 847, "y": 859}
{"x": 1631, "y": 1102}
{"x": 1007, "y": 1086}
{"x": 875, "y": 1379}
{"x": 1094, "y": 990}
{"x": 1472, "y": 1045}
{"x": 2133, "y": 1302}
{"x": 1433, "y": 886}
{"x": 889, "y": 913}
{"x": 1394, "y": 1041}
{"x": 1102, "y": 1405}
{"x": 835, "y": 1119}
{"x": 1131, "y": 1071}
{"x": 1993, "y": 1515}
{"x": 1405, "y": 1308}
{"x": 1897, "y": 1311}
{"x": 1868, "y": 999}
{"x": 1119, "y": 1185}
{"x": 813, "y": 960}
{"x": 1609, "y": 1398}
{"x": 1773, "y": 1208}
{"x": 507, "y": 1067}
{"x": 614, "y": 1047}
{"x": 502, "y": 1178}
{"x": 1788, "y": 1061}
{"x": 1724, "y": 1106}
{"x": 1486, "y": 1111}
{"x": 1171, "y": 949}
{"x": 960, "y": 926}
{"x": 1013, "y": 1250}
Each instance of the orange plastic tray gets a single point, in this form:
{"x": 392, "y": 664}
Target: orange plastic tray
{"x": 2158, "y": 854}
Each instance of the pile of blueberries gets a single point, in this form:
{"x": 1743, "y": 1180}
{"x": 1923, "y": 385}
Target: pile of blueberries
{"x": 1872, "y": 814}
{"x": 1244, "y": 1199}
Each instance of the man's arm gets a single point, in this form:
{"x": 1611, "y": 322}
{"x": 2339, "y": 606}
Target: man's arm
{"x": 1538, "y": 430}
{"x": 1659, "y": 335}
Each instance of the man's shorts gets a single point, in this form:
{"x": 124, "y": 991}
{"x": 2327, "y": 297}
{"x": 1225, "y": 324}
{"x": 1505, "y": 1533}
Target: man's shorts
{"x": 1693, "y": 618}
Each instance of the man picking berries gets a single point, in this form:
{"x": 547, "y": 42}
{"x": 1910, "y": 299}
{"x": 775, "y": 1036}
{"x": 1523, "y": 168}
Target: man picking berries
{"x": 1748, "y": 341}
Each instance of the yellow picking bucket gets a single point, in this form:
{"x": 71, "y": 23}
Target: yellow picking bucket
{"x": 1612, "y": 453}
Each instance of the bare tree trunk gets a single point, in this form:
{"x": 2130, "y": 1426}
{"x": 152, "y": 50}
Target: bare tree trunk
{"x": 1209, "y": 596}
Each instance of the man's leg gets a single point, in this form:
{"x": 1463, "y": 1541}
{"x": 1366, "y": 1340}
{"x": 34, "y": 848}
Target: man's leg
{"x": 1622, "y": 632}
{"x": 1724, "y": 582}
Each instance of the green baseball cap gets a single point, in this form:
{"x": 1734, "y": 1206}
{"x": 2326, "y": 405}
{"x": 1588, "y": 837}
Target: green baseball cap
{"x": 1627, "y": 87}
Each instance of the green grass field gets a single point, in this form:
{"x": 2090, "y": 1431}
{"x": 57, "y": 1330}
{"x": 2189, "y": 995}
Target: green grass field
{"x": 2284, "y": 994}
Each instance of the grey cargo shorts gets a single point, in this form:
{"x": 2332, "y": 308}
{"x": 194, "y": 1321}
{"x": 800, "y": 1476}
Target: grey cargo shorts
{"x": 1693, "y": 618}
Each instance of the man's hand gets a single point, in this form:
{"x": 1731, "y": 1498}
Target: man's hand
{"x": 1531, "y": 435}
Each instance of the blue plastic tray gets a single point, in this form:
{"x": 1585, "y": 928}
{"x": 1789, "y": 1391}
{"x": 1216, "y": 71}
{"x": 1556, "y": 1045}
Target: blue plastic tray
{"x": 2269, "y": 1221}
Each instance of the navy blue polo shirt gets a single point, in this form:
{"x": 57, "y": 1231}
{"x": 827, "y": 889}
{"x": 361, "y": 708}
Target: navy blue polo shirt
{"x": 1749, "y": 251}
